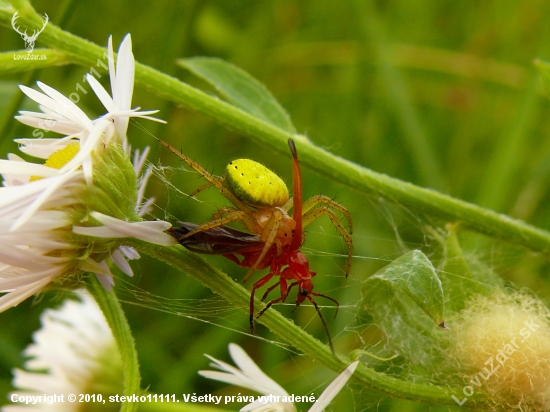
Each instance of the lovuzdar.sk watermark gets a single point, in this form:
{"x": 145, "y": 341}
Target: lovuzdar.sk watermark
{"x": 29, "y": 40}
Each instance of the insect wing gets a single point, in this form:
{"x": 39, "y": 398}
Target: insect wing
{"x": 216, "y": 240}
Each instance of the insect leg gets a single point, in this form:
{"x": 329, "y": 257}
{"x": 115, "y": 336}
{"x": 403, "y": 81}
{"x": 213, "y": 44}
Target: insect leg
{"x": 282, "y": 298}
{"x": 324, "y": 323}
{"x": 257, "y": 285}
{"x": 329, "y": 298}
{"x": 269, "y": 289}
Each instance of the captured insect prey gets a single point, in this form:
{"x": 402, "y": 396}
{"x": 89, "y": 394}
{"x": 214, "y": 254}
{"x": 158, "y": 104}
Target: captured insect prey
{"x": 261, "y": 201}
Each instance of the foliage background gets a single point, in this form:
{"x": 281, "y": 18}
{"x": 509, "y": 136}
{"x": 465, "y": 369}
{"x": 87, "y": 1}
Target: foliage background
{"x": 442, "y": 94}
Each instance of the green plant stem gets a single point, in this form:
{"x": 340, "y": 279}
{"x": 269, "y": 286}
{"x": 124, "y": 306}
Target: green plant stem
{"x": 193, "y": 265}
{"x": 363, "y": 180}
{"x": 116, "y": 319}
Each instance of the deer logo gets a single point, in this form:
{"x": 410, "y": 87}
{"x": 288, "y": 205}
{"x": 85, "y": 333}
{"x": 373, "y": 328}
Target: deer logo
{"x": 29, "y": 40}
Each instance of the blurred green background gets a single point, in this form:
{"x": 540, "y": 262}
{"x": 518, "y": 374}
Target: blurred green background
{"x": 441, "y": 94}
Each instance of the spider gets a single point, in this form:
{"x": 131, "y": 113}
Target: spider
{"x": 261, "y": 201}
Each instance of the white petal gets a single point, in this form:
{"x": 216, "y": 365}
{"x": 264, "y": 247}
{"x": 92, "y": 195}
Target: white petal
{"x": 70, "y": 110}
{"x": 72, "y": 343}
{"x": 26, "y": 169}
{"x": 250, "y": 369}
{"x": 124, "y": 87}
{"x": 149, "y": 231}
{"x": 143, "y": 184}
{"x": 111, "y": 62}
{"x": 20, "y": 196}
{"x": 260, "y": 406}
{"x": 61, "y": 105}
{"x": 20, "y": 281}
{"x": 17, "y": 296}
{"x": 101, "y": 93}
{"x": 45, "y": 122}
{"x": 125, "y": 73}
{"x": 44, "y": 220}
{"x": 139, "y": 159}
{"x": 43, "y": 148}
{"x": 240, "y": 377}
{"x": 97, "y": 231}
{"x": 146, "y": 207}
{"x": 129, "y": 252}
{"x": 55, "y": 183}
{"x": 41, "y": 98}
{"x": 122, "y": 263}
{"x": 334, "y": 388}
{"x": 107, "y": 281}
{"x": 27, "y": 258}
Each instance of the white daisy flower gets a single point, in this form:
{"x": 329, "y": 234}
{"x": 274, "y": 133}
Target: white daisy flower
{"x": 275, "y": 399}
{"x": 87, "y": 184}
{"x": 61, "y": 115}
{"x": 74, "y": 352}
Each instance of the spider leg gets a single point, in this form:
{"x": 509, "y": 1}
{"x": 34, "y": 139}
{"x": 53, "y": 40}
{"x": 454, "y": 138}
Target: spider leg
{"x": 204, "y": 187}
{"x": 257, "y": 285}
{"x": 288, "y": 205}
{"x": 282, "y": 298}
{"x": 213, "y": 180}
{"x": 315, "y": 200}
{"x": 273, "y": 222}
{"x": 324, "y": 323}
{"x": 230, "y": 217}
{"x": 223, "y": 211}
{"x": 316, "y": 213}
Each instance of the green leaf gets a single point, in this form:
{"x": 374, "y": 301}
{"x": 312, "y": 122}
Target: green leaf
{"x": 109, "y": 304}
{"x": 241, "y": 89}
{"x": 413, "y": 275}
{"x": 464, "y": 276}
{"x": 404, "y": 299}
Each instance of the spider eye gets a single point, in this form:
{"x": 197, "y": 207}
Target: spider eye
{"x": 304, "y": 292}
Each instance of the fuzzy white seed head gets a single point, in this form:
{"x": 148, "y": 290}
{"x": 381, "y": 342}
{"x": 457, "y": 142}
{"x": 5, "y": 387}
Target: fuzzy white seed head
{"x": 502, "y": 344}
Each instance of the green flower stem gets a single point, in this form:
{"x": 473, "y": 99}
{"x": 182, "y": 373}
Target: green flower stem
{"x": 361, "y": 179}
{"x": 193, "y": 265}
{"x": 116, "y": 319}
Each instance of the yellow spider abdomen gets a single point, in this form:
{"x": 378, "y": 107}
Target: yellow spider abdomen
{"x": 255, "y": 184}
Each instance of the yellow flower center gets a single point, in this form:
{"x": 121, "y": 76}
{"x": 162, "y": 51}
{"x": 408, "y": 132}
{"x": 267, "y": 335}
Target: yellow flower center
{"x": 60, "y": 158}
